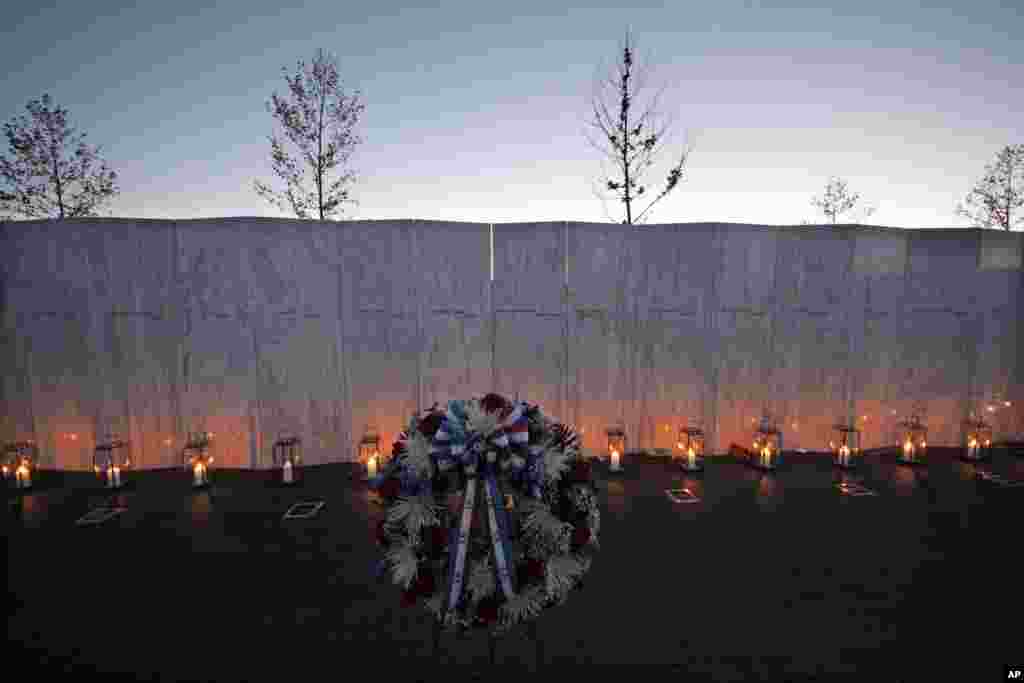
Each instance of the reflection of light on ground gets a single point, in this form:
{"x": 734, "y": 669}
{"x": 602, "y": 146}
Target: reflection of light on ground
{"x": 29, "y": 506}
{"x": 907, "y": 478}
{"x": 968, "y": 470}
{"x": 616, "y": 488}
{"x": 848, "y": 478}
{"x": 202, "y": 506}
{"x": 691, "y": 484}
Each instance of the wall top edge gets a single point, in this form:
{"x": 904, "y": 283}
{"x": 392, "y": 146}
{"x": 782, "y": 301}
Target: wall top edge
{"x": 821, "y": 228}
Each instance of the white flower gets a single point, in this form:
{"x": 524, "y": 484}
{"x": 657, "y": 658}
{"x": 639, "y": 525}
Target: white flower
{"x": 415, "y": 513}
{"x": 545, "y": 529}
{"x": 556, "y": 463}
{"x": 481, "y": 580}
{"x": 562, "y": 572}
{"x": 479, "y": 420}
{"x": 417, "y": 456}
{"x": 524, "y": 605}
{"x": 403, "y": 559}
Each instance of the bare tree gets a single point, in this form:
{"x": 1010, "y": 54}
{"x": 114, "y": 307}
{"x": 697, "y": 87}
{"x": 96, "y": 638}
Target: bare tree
{"x": 996, "y": 197}
{"x": 837, "y": 199}
{"x": 42, "y": 175}
{"x": 319, "y": 121}
{"x": 631, "y": 142}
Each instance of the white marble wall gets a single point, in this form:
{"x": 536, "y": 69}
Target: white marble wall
{"x": 249, "y": 327}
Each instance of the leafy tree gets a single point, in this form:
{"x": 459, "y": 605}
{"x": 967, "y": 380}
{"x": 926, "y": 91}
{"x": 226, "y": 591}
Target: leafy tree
{"x": 318, "y": 119}
{"x": 632, "y": 142}
{"x": 994, "y": 201}
{"x": 837, "y": 199}
{"x": 42, "y": 175}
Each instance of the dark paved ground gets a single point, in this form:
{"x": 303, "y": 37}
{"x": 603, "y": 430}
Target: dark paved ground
{"x": 769, "y": 578}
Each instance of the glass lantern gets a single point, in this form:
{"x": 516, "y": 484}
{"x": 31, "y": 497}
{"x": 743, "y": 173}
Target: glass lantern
{"x": 110, "y": 460}
{"x": 977, "y": 440}
{"x": 690, "y": 448}
{"x": 369, "y": 452}
{"x": 198, "y": 458}
{"x": 845, "y": 445}
{"x": 287, "y": 454}
{"x": 767, "y": 450}
{"x": 19, "y": 464}
{"x": 616, "y": 447}
{"x": 914, "y": 441}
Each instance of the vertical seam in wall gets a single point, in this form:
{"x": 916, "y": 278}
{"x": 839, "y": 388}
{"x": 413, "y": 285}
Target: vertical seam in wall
{"x": 493, "y": 314}
{"x": 771, "y": 362}
{"x": 715, "y": 335}
{"x": 851, "y": 412}
{"x": 567, "y": 413}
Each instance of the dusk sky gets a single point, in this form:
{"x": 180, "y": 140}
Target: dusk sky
{"x": 475, "y": 111}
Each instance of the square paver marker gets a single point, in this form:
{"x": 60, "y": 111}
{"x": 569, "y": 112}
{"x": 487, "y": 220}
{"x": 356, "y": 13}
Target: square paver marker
{"x": 855, "y": 489}
{"x": 682, "y": 496}
{"x": 999, "y": 480}
{"x": 304, "y": 510}
{"x": 99, "y": 515}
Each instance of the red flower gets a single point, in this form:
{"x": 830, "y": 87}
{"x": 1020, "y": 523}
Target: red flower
{"x": 424, "y": 584}
{"x": 390, "y": 488}
{"x": 493, "y": 403}
{"x": 580, "y": 536}
{"x": 530, "y": 571}
{"x": 408, "y": 597}
{"x": 434, "y": 539}
{"x": 579, "y": 473}
{"x": 430, "y": 424}
{"x": 487, "y": 610}
{"x": 382, "y": 534}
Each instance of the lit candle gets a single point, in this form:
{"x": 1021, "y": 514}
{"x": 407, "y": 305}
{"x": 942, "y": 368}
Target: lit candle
{"x": 371, "y": 466}
{"x": 766, "y": 456}
{"x": 110, "y": 476}
{"x": 200, "y": 474}
{"x": 844, "y": 455}
{"x": 288, "y": 471}
{"x": 908, "y": 450}
{"x": 117, "y": 476}
{"x": 691, "y": 456}
{"x": 615, "y": 460}
{"x": 23, "y": 476}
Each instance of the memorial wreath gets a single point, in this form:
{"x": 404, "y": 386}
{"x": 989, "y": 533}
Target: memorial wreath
{"x": 491, "y": 513}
